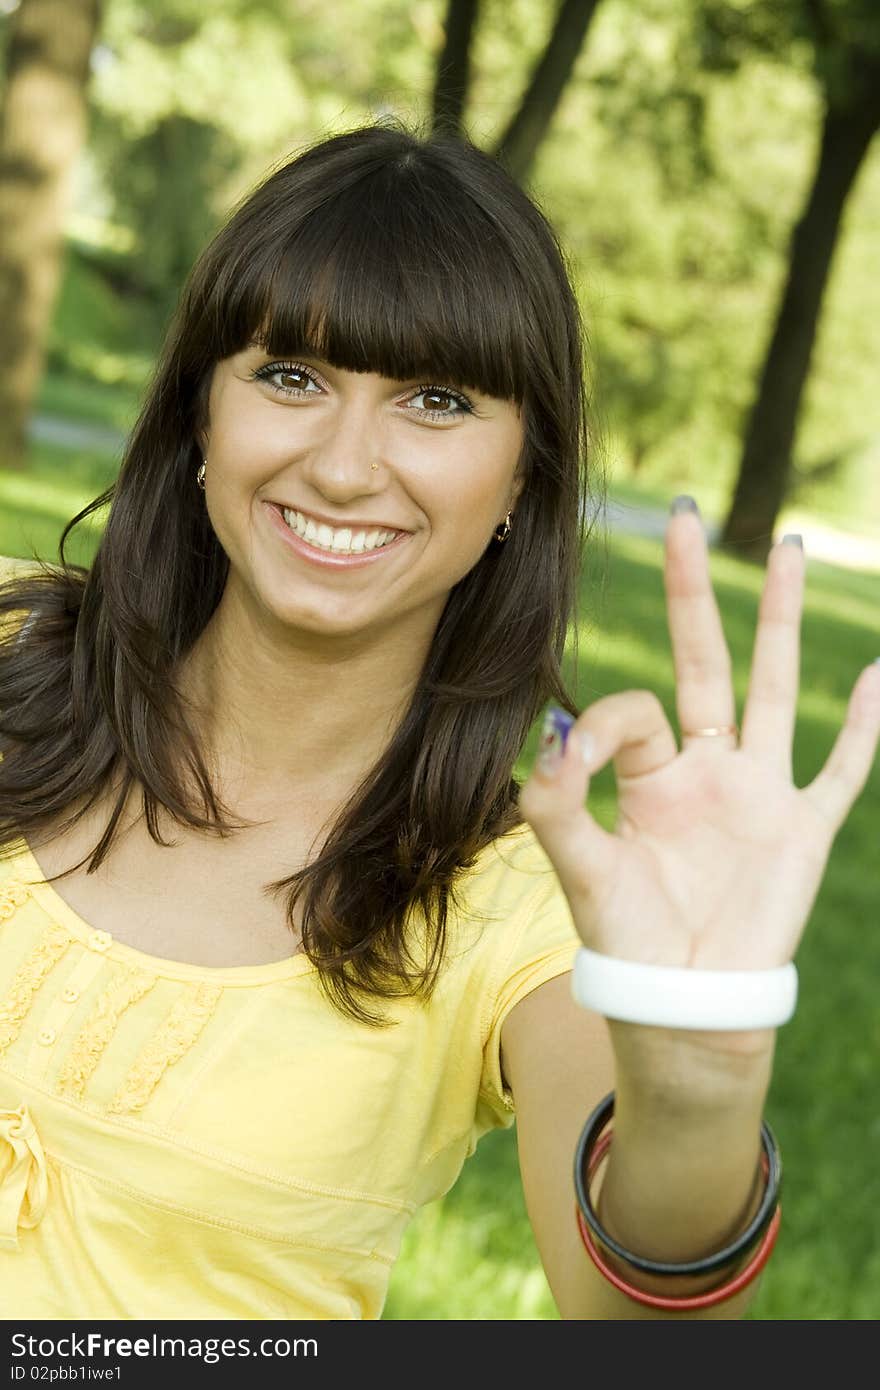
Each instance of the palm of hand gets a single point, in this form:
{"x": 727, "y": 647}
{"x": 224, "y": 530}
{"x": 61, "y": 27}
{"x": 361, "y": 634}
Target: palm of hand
{"x": 716, "y": 857}
{"x": 714, "y": 860}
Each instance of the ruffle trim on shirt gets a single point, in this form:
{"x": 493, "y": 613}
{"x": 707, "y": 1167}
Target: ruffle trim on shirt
{"x": 172, "y": 1041}
{"x": 27, "y": 980}
{"x": 85, "y": 1054}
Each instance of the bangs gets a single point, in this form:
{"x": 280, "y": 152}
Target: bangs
{"x": 395, "y": 273}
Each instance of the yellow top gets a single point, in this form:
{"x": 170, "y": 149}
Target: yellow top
{"x": 180, "y": 1141}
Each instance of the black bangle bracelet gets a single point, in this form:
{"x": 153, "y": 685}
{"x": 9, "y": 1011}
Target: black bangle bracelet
{"x": 755, "y": 1229}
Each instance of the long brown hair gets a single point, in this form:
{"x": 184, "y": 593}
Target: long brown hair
{"x": 409, "y": 256}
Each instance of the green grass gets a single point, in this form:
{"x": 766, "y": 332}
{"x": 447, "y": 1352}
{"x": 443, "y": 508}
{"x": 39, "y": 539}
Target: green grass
{"x": 35, "y": 504}
{"x": 472, "y": 1256}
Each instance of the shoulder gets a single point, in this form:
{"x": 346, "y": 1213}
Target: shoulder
{"x": 515, "y": 921}
{"x": 507, "y": 916}
{"x": 510, "y": 871}
{"x": 526, "y": 939}
{"x": 515, "y": 885}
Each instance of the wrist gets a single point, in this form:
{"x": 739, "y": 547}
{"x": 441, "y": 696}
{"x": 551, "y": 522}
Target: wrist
{"x": 687, "y": 998}
{"x": 691, "y": 1246}
{"x": 688, "y": 1284}
{"x": 686, "y": 1072}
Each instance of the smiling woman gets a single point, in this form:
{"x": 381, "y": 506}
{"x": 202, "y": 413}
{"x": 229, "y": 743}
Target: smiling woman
{"x": 312, "y": 939}
{"x": 264, "y": 747}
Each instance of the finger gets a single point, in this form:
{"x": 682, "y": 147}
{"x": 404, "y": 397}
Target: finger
{"x": 631, "y": 727}
{"x": 552, "y": 801}
{"x": 771, "y": 704}
{"x": 834, "y": 790}
{"x": 703, "y": 685}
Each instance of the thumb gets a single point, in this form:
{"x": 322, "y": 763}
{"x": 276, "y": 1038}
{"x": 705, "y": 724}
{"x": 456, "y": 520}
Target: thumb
{"x": 552, "y": 801}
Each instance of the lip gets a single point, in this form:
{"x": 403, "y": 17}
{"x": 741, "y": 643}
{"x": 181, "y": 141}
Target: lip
{"x": 338, "y": 525}
{"x": 325, "y": 557}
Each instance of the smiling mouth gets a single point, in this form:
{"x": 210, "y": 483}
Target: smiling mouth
{"x": 342, "y": 540}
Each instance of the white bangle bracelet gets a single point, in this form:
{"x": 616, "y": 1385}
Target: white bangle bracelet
{"x": 668, "y": 997}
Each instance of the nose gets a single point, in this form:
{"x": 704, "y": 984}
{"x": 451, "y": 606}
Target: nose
{"x": 344, "y": 457}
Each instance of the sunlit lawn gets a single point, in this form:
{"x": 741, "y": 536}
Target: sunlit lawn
{"x": 472, "y": 1255}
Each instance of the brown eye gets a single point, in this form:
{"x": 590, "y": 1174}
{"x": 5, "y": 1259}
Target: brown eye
{"x": 442, "y": 403}
{"x": 289, "y": 372}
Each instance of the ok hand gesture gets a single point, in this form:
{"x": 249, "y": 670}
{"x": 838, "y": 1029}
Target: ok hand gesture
{"x": 716, "y": 858}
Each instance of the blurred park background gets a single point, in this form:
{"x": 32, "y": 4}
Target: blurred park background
{"x": 712, "y": 172}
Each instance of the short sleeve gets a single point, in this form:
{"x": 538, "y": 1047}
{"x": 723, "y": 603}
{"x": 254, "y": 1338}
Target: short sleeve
{"x": 544, "y": 943}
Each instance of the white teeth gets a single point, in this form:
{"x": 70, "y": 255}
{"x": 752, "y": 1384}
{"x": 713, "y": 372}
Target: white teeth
{"x": 344, "y": 541}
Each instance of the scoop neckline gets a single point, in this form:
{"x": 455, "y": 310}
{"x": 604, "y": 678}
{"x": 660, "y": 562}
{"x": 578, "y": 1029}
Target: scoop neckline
{"x": 53, "y": 903}
{"x": 298, "y": 964}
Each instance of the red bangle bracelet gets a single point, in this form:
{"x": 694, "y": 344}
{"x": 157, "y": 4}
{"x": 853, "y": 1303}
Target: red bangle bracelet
{"x": 690, "y": 1302}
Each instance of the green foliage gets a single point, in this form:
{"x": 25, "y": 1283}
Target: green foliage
{"x": 838, "y": 39}
{"x": 675, "y": 169}
{"x": 675, "y": 192}
{"x": 103, "y": 337}
{"x": 164, "y": 184}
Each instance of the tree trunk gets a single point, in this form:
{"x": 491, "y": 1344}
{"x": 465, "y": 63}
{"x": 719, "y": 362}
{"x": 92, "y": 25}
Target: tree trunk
{"x": 519, "y": 144}
{"x": 765, "y": 466}
{"x": 42, "y": 126}
{"x": 454, "y": 68}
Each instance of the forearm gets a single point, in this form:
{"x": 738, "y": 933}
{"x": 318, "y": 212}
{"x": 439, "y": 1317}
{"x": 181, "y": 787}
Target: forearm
{"x": 682, "y": 1177}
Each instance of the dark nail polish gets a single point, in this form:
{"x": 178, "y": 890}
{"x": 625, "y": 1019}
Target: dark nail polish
{"x": 683, "y": 503}
{"x": 554, "y": 736}
{"x": 793, "y": 539}
{"x": 557, "y": 725}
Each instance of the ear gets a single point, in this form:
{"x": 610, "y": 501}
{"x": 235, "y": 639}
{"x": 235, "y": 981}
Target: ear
{"x": 519, "y": 483}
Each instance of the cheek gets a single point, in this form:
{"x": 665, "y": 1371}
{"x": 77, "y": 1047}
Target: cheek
{"x": 460, "y": 509}
{"x": 482, "y": 458}
{"x": 475, "y": 492}
{"x": 244, "y": 438}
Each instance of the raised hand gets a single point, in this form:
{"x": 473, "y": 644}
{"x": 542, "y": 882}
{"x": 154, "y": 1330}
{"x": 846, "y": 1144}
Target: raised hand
{"x": 716, "y": 858}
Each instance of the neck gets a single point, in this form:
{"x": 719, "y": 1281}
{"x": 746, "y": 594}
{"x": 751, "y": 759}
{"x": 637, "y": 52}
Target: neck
{"x": 290, "y": 714}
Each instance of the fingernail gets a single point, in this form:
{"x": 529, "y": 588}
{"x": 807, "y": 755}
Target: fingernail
{"x": 793, "y": 539}
{"x": 587, "y": 744}
{"x": 554, "y": 734}
{"x": 683, "y": 503}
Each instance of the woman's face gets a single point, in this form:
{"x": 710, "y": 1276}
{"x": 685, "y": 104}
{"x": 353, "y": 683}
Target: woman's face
{"x": 302, "y": 435}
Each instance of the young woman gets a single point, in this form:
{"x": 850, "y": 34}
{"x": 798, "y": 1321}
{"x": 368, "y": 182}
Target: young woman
{"x": 280, "y": 936}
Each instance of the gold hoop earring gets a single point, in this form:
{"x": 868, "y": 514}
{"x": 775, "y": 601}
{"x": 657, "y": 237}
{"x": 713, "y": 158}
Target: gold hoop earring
{"x": 506, "y": 531}
{"x": 200, "y": 476}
